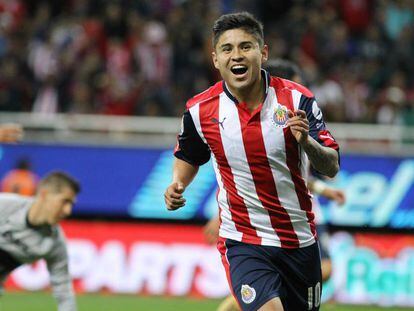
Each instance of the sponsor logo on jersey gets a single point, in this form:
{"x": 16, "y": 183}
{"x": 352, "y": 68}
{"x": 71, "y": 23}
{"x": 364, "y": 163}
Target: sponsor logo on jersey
{"x": 280, "y": 116}
{"x": 248, "y": 294}
{"x": 221, "y": 123}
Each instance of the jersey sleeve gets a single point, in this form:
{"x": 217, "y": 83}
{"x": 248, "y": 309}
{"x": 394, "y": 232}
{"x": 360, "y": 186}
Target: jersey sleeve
{"x": 317, "y": 126}
{"x": 190, "y": 147}
{"x": 58, "y": 267}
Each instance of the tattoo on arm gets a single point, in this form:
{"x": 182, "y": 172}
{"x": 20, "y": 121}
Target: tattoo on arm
{"x": 323, "y": 159}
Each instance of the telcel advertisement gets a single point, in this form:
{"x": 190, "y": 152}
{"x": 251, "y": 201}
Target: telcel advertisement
{"x": 130, "y": 182}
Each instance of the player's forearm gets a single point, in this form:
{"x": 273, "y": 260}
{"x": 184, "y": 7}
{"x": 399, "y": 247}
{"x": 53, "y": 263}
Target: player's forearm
{"x": 323, "y": 159}
{"x": 67, "y": 303}
{"x": 60, "y": 280}
{"x": 64, "y": 294}
{"x": 184, "y": 172}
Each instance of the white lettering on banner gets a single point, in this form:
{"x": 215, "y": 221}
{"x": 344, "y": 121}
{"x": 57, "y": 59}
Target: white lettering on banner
{"x": 32, "y": 277}
{"x": 82, "y": 254}
{"x": 364, "y": 191}
{"x": 148, "y": 265}
{"x": 361, "y": 276}
{"x": 108, "y": 268}
{"x": 373, "y": 199}
{"x": 212, "y": 280}
{"x": 400, "y": 184}
{"x": 185, "y": 260}
{"x": 151, "y": 267}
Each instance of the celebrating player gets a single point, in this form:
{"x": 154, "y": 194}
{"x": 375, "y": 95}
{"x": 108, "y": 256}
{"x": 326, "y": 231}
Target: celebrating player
{"x": 29, "y": 231}
{"x": 261, "y": 131}
{"x": 288, "y": 70}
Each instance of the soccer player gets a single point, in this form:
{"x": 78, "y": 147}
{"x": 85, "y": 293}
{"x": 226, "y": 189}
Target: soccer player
{"x": 29, "y": 231}
{"x": 260, "y": 131}
{"x": 288, "y": 70}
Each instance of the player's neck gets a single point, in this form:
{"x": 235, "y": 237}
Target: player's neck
{"x": 253, "y": 96}
{"x": 35, "y": 216}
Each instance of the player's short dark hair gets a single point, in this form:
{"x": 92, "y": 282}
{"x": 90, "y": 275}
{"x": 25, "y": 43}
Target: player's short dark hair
{"x": 59, "y": 180}
{"x": 242, "y": 20}
{"x": 282, "y": 68}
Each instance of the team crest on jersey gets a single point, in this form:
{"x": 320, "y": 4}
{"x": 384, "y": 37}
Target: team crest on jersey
{"x": 248, "y": 293}
{"x": 280, "y": 116}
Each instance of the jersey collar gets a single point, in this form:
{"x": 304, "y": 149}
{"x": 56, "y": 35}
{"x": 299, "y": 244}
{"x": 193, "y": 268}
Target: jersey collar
{"x": 266, "y": 79}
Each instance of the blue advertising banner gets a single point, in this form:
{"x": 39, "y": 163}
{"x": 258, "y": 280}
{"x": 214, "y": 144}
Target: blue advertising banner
{"x": 130, "y": 182}
{"x": 379, "y": 191}
{"x": 109, "y": 176}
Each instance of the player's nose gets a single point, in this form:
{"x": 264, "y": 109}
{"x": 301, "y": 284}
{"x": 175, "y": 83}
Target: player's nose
{"x": 237, "y": 55}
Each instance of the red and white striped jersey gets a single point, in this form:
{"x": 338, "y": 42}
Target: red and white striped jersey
{"x": 261, "y": 170}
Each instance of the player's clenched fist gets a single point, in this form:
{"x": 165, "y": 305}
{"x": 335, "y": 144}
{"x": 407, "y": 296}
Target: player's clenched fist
{"x": 173, "y": 196}
{"x": 299, "y": 125}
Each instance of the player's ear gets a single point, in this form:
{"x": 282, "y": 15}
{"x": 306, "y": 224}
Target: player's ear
{"x": 265, "y": 53}
{"x": 214, "y": 57}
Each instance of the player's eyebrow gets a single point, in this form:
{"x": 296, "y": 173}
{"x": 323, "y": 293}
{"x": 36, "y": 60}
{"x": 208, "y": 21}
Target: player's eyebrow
{"x": 225, "y": 45}
{"x": 245, "y": 42}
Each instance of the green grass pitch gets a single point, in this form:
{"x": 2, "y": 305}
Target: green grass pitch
{"x": 41, "y": 301}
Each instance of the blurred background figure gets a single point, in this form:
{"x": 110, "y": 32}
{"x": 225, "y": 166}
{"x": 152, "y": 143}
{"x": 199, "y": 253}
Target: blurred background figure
{"x": 30, "y": 231}
{"x": 10, "y": 133}
{"x": 21, "y": 180}
{"x": 319, "y": 188}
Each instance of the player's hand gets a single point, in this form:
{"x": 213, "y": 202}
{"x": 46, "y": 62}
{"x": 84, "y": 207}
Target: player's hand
{"x": 10, "y": 132}
{"x": 211, "y": 230}
{"x": 336, "y": 195}
{"x": 173, "y": 196}
{"x": 299, "y": 125}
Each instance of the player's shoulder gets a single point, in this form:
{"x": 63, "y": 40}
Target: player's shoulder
{"x": 11, "y": 203}
{"x": 284, "y": 83}
{"x": 12, "y": 198}
{"x": 209, "y": 94}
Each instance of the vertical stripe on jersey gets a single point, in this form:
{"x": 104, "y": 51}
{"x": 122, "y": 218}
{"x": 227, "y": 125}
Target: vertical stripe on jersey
{"x": 195, "y": 114}
{"x": 274, "y": 141}
{"x": 284, "y": 96}
{"x": 234, "y": 147}
{"x": 264, "y": 183}
{"x": 212, "y": 133}
{"x": 227, "y": 226}
{"x": 224, "y": 209}
{"x": 304, "y": 168}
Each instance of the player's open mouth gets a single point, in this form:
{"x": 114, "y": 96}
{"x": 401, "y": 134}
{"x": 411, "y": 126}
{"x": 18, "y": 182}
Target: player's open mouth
{"x": 239, "y": 69}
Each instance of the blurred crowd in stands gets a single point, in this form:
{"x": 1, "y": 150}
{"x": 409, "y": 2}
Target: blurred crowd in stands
{"x": 147, "y": 57}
